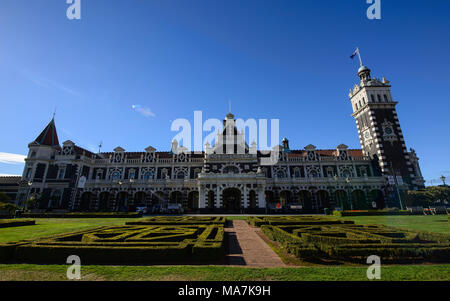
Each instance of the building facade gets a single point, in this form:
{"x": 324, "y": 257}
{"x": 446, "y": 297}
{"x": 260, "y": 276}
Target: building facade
{"x": 232, "y": 176}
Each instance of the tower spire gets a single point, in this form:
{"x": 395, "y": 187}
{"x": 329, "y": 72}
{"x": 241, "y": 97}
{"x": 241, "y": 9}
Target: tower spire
{"x": 48, "y": 136}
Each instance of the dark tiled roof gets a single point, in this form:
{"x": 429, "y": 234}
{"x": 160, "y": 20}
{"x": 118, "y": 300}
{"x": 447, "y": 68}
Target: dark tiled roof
{"x": 10, "y": 180}
{"x": 80, "y": 151}
{"x": 48, "y": 136}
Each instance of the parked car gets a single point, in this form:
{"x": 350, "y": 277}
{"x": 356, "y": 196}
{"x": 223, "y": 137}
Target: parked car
{"x": 143, "y": 210}
{"x": 174, "y": 208}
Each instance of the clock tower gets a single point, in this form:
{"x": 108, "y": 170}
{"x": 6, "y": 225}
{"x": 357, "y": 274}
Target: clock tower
{"x": 379, "y": 130}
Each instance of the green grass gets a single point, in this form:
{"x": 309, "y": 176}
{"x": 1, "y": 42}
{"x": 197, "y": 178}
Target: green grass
{"x": 429, "y": 223}
{"x": 220, "y": 273}
{"x": 50, "y": 226}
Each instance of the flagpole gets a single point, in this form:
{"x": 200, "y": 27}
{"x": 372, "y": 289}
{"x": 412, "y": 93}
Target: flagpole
{"x": 359, "y": 56}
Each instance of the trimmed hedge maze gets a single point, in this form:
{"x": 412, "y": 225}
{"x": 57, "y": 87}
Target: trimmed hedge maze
{"x": 124, "y": 245}
{"x": 315, "y": 238}
{"x": 83, "y": 215}
{"x": 180, "y": 220}
{"x": 4, "y": 223}
{"x": 294, "y": 220}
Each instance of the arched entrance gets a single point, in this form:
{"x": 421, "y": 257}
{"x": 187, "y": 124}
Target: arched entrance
{"x": 139, "y": 199}
{"x": 304, "y": 198}
{"x": 176, "y": 197}
{"x": 323, "y": 199}
{"x": 231, "y": 199}
{"x": 341, "y": 199}
{"x": 376, "y": 196}
{"x": 122, "y": 200}
{"x": 285, "y": 198}
{"x": 85, "y": 203}
{"x": 192, "y": 203}
{"x": 211, "y": 198}
{"x": 359, "y": 200}
{"x": 104, "y": 202}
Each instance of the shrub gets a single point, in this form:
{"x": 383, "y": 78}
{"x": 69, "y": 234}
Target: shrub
{"x": 356, "y": 242}
{"x": 83, "y": 215}
{"x": 180, "y": 220}
{"x": 4, "y": 223}
{"x": 370, "y": 212}
{"x": 127, "y": 245}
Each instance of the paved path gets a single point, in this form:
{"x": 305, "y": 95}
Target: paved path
{"x": 247, "y": 248}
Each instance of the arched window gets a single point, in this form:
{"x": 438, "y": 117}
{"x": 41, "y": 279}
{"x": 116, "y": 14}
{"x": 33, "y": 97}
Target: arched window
{"x": 281, "y": 174}
{"x": 231, "y": 169}
{"x": 297, "y": 173}
{"x": 180, "y": 175}
{"x": 313, "y": 174}
{"x": 115, "y": 175}
{"x": 346, "y": 174}
{"x": 148, "y": 175}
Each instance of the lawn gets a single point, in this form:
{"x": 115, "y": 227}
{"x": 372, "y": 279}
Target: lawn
{"x": 26, "y": 272}
{"x": 50, "y": 226}
{"x": 429, "y": 223}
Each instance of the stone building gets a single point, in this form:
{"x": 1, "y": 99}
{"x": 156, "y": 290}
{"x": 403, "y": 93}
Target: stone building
{"x": 230, "y": 175}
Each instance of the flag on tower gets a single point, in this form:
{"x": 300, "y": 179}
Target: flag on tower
{"x": 354, "y": 53}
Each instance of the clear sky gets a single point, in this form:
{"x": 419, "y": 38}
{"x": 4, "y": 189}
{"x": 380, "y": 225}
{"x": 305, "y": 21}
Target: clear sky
{"x": 272, "y": 59}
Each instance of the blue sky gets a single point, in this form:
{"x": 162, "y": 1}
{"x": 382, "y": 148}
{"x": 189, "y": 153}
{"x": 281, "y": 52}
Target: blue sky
{"x": 272, "y": 59}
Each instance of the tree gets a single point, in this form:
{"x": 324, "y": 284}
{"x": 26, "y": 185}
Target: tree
{"x": 428, "y": 196}
{"x": 4, "y": 198}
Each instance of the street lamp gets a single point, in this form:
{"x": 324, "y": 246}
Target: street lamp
{"x": 131, "y": 183}
{"x": 120, "y": 189}
{"x": 347, "y": 180}
{"x": 29, "y": 183}
{"x": 336, "y": 179}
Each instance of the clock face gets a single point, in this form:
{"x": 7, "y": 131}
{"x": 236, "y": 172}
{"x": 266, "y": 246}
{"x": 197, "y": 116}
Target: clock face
{"x": 387, "y": 130}
{"x": 367, "y": 135}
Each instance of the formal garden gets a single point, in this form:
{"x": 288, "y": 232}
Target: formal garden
{"x": 196, "y": 247}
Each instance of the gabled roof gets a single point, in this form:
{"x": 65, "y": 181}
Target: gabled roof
{"x": 48, "y": 136}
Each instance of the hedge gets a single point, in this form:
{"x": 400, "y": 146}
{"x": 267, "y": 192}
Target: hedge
{"x": 83, "y": 215}
{"x": 124, "y": 245}
{"x": 180, "y": 220}
{"x": 294, "y": 220}
{"x": 356, "y": 242}
{"x": 4, "y": 223}
{"x": 370, "y": 212}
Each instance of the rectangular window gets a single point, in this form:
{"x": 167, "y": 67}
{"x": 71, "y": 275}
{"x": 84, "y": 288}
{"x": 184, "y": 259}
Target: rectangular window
{"x": 28, "y": 174}
{"x": 61, "y": 173}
